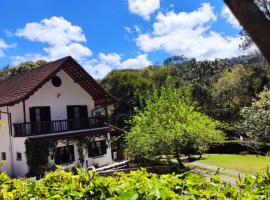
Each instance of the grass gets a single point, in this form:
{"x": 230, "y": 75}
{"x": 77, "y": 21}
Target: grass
{"x": 243, "y": 163}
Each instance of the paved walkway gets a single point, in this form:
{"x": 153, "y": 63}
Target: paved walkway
{"x": 209, "y": 170}
{"x": 215, "y": 168}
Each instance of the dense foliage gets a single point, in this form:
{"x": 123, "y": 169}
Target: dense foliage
{"x": 37, "y": 154}
{"x": 256, "y": 119}
{"x": 170, "y": 125}
{"x": 24, "y": 66}
{"x": 221, "y": 87}
{"x": 132, "y": 186}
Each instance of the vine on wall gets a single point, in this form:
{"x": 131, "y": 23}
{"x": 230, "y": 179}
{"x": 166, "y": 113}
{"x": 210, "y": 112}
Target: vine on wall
{"x": 38, "y": 152}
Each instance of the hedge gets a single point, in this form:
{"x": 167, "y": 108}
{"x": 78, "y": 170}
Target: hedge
{"x": 238, "y": 147}
{"x": 131, "y": 186}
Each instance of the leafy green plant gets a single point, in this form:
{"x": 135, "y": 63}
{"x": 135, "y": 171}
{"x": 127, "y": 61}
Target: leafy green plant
{"x": 135, "y": 185}
{"x": 255, "y": 120}
{"x": 171, "y": 125}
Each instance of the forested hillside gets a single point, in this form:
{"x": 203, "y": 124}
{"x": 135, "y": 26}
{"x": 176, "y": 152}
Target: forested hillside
{"x": 221, "y": 87}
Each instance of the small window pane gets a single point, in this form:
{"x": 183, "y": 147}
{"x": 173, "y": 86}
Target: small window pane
{"x": 98, "y": 148}
{"x": 19, "y": 156}
{"x": 38, "y": 118}
{"x": 3, "y": 156}
{"x": 64, "y": 155}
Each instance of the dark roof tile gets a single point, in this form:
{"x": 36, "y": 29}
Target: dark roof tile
{"x": 23, "y": 85}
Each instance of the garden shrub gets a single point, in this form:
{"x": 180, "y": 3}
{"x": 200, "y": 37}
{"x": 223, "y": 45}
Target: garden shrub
{"x": 236, "y": 147}
{"x": 134, "y": 185}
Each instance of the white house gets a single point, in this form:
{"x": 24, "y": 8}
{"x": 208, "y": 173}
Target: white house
{"x": 56, "y": 104}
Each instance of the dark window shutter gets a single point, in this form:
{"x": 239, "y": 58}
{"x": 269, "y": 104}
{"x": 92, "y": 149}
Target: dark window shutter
{"x": 83, "y": 112}
{"x": 103, "y": 147}
{"x": 45, "y": 113}
{"x": 70, "y": 112}
{"x": 32, "y": 114}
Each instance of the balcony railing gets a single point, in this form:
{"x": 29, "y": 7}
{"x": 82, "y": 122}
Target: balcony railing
{"x": 58, "y": 126}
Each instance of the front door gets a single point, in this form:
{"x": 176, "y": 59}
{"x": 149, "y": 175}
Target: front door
{"x": 40, "y": 118}
{"x": 77, "y": 117}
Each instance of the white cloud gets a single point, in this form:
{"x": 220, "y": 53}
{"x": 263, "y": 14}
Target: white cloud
{"x": 62, "y": 38}
{"x": 54, "y": 31}
{"x": 33, "y": 57}
{"x": 76, "y": 50}
{"x": 189, "y": 34}
{"x": 3, "y": 46}
{"x": 137, "y": 29}
{"x": 127, "y": 29}
{"x": 133, "y": 30}
{"x": 230, "y": 18}
{"x": 143, "y": 8}
{"x": 135, "y": 63}
{"x": 107, "y": 62}
{"x": 110, "y": 58}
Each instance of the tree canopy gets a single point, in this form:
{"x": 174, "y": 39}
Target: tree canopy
{"x": 255, "y": 121}
{"x": 170, "y": 124}
{"x": 24, "y": 66}
{"x": 213, "y": 83}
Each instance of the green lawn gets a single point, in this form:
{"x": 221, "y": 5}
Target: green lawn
{"x": 243, "y": 163}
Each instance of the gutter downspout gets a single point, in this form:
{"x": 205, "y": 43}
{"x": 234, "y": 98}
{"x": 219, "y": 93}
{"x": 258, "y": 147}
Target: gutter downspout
{"x": 10, "y": 139}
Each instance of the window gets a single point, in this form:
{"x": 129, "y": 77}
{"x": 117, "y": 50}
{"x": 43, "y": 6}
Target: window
{"x": 98, "y": 148}
{"x": 56, "y": 81}
{"x": 37, "y": 113}
{"x": 19, "y": 156}
{"x": 78, "y": 117}
{"x": 64, "y": 155}
{"x": 3, "y": 156}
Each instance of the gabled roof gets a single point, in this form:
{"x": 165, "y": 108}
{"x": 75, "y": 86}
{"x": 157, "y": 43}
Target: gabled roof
{"x": 22, "y": 86}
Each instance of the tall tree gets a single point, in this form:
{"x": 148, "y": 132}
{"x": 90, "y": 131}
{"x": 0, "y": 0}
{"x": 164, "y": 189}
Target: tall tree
{"x": 235, "y": 88}
{"x": 256, "y": 119}
{"x": 127, "y": 86}
{"x": 170, "y": 125}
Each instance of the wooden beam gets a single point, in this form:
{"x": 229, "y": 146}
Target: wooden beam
{"x": 107, "y": 113}
{"x": 254, "y": 22}
{"x": 24, "y": 113}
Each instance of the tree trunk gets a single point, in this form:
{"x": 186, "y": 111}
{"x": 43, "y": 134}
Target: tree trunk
{"x": 254, "y": 22}
{"x": 177, "y": 156}
{"x": 180, "y": 163}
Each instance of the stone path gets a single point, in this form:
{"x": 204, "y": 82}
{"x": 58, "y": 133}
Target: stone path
{"x": 210, "y": 170}
{"x": 215, "y": 168}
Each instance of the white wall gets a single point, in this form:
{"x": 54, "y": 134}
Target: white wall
{"x": 58, "y": 98}
{"x": 20, "y": 167}
{"x": 5, "y": 142}
{"x": 100, "y": 160}
{"x": 69, "y": 93}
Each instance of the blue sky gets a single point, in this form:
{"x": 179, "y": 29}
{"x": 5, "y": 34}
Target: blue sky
{"x": 104, "y": 34}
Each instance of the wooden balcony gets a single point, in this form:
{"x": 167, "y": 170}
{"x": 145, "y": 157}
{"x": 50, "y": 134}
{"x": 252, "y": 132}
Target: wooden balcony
{"x": 58, "y": 126}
